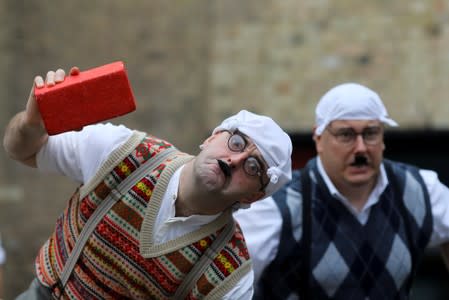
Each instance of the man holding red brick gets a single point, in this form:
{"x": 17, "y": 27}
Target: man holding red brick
{"x": 149, "y": 221}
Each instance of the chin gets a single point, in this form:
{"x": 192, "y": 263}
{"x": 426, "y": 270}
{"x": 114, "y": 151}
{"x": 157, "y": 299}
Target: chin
{"x": 360, "y": 180}
{"x": 211, "y": 183}
{"x": 210, "y": 179}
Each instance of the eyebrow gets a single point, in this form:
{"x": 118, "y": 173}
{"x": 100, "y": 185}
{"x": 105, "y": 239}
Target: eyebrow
{"x": 352, "y": 128}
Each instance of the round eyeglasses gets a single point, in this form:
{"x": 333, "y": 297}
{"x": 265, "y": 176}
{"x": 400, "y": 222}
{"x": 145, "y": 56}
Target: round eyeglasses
{"x": 347, "y": 136}
{"x": 252, "y": 165}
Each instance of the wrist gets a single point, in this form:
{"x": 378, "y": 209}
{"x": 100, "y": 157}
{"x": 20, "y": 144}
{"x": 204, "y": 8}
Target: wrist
{"x": 23, "y": 138}
{"x": 31, "y": 127}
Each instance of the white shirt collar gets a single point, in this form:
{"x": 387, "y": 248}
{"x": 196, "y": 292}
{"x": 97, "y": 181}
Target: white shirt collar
{"x": 373, "y": 198}
{"x": 168, "y": 226}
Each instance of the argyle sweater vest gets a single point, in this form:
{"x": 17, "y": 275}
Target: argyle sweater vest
{"x": 348, "y": 260}
{"x": 120, "y": 260}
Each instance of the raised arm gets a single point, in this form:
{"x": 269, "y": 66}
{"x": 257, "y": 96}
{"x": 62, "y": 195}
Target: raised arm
{"x": 25, "y": 133}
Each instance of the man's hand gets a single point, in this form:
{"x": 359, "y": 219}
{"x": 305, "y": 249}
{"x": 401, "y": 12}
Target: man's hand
{"x": 32, "y": 115}
{"x": 26, "y": 133}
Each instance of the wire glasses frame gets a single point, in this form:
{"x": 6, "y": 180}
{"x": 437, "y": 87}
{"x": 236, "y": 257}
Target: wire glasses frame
{"x": 347, "y": 136}
{"x": 252, "y": 165}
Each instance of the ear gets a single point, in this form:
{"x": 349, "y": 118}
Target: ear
{"x": 253, "y": 197}
{"x": 317, "y": 138}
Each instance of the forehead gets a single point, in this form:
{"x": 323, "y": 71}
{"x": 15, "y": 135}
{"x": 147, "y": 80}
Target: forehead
{"x": 355, "y": 123}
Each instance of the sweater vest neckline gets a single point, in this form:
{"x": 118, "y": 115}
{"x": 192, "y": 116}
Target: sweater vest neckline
{"x": 148, "y": 247}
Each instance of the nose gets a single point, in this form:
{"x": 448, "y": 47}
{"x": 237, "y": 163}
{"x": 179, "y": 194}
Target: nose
{"x": 237, "y": 158}
{"x": 359, "y": 143}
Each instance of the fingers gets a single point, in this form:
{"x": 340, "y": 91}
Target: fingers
{"x": 50, "y": 78}
{"x": 74, "y": 71}
{"x": 38, "y": 81}
{"x": 59, "y": 75}
{"x": 54, "y": 77}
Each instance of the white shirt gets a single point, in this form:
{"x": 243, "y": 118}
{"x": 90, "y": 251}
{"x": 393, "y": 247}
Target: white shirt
{"x": 261, "y": 223}
{"x": 2, "y": 253}
{"x": 78, "y": 155}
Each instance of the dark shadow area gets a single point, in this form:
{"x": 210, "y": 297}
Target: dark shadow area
{"x": 427, "y": 149}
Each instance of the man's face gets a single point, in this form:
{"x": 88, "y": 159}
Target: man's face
{"x": 351, "y": 151}
{"x": 230, "y": 164}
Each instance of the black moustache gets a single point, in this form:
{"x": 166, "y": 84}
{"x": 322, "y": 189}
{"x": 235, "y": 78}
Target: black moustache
{"x": 360, "y": 161}
{"x": 224, "y": 167}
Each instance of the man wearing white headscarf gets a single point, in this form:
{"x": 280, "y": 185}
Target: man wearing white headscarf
{"x": 170, "y": 233}
{"x": 350, "y": 224}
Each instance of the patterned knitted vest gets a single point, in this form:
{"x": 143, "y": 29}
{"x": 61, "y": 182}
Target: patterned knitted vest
{"x": 349, "y": 260}
{"x": 120, "y": 260}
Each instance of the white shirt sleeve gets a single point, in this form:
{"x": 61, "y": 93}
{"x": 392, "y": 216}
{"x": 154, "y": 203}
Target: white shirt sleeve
{"x": 439, "y": 200}
{"x": 261, "y": 226}
{"x": 243, "y": 290}
{"x": 78, "y": 154}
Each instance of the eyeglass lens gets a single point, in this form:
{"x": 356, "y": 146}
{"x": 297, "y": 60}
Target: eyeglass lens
{"x": 370, "y": 135}
{"x": 237, "y": 143}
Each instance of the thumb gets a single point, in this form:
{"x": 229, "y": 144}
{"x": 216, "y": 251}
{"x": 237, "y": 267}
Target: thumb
{"x": 32, "y": 109}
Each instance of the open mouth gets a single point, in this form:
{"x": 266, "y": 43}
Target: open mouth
{"x": 224, "y": 168}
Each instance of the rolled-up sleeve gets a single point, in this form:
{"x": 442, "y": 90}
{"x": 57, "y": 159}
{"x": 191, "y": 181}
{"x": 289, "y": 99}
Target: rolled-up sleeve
{"x": 78, "y": 154}
{"x": 439, "y": 200}
{"x": 261, "y": 226}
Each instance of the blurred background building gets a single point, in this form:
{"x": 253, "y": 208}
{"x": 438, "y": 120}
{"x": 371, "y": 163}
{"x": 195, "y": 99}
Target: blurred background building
{"x": 193, "y": 62}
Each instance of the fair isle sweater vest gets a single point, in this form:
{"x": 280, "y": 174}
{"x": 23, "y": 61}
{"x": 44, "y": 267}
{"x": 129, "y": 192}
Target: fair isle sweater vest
{"x": 120, "y": 260}
{"x": 349, "y": 260}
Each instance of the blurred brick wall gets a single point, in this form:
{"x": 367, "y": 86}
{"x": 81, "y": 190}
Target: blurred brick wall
{"x": 193, "y": 62}
{"x": 279, "y": 57}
